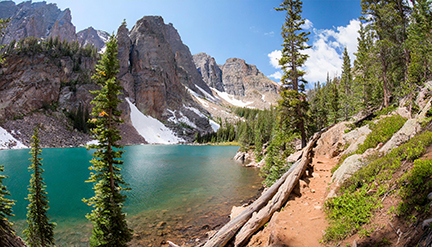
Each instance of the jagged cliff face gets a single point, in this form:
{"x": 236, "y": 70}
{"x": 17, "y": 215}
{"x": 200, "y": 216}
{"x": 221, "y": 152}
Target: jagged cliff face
{"x": 240, "y": 80}
{"x": 184, "y": 60}
{"x": 30, "y": 82}
{"x": 209, "y": 70}
{"x": 156, "y": 71}
{"x": 91, "y": 36}
{"x": 39, "y": 20}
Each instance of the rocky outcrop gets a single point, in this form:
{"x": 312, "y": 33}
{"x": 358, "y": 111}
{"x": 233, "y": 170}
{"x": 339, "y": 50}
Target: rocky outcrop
{"x": 209, "y": 70}
{"x": 33, "y": 81}
{"x": 332, "y": 141}
{"x": 355, "y": 138}
{"x": 28, "y": 84}
{"x": 90, "y": 36}
{"x": 40, "y": 20}
{"x": 185, "y": 61}
{"x": 240, "y": 78}
{"x": 155, "y": 75}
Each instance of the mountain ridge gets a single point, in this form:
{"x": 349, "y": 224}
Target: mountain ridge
{"x": 157, "y": 72}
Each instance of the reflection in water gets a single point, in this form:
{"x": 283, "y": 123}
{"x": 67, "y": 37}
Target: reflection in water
{"x": 178, "y": 192}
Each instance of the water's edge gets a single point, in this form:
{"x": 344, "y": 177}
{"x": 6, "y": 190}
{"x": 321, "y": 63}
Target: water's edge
{"x": 179, "y": 192}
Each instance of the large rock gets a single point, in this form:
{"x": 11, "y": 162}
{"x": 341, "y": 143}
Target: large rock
{"x": 411, "y": 126}
{"x": 355, "y": 138}
{"x": 332, "y": 142}
{"x": 350, "y": 165}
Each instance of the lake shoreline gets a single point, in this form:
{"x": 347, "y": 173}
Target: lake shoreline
{"x": 178, "y": 192}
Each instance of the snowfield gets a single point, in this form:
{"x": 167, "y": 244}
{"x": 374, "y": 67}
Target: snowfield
{"x": 150, "y": 128}
{"x": 182, "y": 119}
{"x": 215, "y": 126}
{"x": 7, "y": 141}
{"x": 230, "y": 99}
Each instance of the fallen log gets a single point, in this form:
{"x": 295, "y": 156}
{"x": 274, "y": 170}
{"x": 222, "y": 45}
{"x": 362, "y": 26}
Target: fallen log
{"x": 280, "y": 198}
{"x": 227, "y": 232}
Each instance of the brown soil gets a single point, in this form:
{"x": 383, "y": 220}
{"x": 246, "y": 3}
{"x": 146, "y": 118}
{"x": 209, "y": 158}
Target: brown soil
{"x": 302, "y": 221}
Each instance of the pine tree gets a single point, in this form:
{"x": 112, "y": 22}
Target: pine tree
{"x": 419, "y": 39}
{"x": 363, "y": 68}
{"x": 39, "y": 232}
{"x": 109, "y": 222}
{"x": 5, "y": 209}
{"x": 346, "y": 86}
{"x": 334, "y": 98}
{"x": 293, "y": 105}
{"x": 388, "y": 20}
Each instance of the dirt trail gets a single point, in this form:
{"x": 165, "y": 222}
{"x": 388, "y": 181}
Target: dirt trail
{"x": 302, "y": 221}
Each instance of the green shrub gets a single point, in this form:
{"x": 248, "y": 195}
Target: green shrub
{"x": 410, "y": 151}
{"x": 354, "y": 207}
{"x": 382, "y": 131}
{"x": 416, "y": 186}
{"x": 348, "y": 212}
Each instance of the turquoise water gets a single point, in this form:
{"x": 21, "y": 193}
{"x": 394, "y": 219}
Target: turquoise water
{"x": 176, "y": 184}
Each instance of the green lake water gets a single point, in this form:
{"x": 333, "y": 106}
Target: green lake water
{"x": 178, "y": 192}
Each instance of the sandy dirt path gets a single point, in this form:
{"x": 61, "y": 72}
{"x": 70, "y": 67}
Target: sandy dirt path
{"x": 302, "y": 221}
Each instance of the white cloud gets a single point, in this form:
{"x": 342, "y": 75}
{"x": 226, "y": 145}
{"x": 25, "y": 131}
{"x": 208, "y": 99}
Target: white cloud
{"x": 275, "y": 56}
{"x": 277, "y": 75}
{"x": 269, "y": 33}
{"x": 307, "y": 25}
{"x": 325, "y": 55}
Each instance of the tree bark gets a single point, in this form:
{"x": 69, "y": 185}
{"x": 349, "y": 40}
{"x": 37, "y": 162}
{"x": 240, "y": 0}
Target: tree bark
{"x": 280, "y": 198}
{"x": 228, "y": 231}
{"x": 277, "y": 194}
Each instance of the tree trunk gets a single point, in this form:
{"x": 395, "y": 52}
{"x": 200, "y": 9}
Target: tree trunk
{"x": 272, "y": 196}
{"x": 280, "y": 198}
{"x": 386, "y": 90}
{"x": 228, "y": 231}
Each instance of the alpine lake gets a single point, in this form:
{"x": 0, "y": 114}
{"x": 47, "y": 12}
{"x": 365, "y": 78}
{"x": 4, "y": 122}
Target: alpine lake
{"x": 178, "y": 192}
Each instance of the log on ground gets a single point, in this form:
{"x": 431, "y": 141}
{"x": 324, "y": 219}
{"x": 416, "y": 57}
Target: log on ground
{"x": 280, "y": 198}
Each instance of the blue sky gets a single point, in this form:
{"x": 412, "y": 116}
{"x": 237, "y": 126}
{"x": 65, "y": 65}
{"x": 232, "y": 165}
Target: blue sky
{"x": 247, "y": 29}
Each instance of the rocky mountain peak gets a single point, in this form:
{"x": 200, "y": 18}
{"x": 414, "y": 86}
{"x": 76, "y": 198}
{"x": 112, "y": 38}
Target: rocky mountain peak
{"x": 239, "y": 79}
{"x": 156, "y": 76}
{"x": 91, "y": 36}
{"x": 39, "y": 20}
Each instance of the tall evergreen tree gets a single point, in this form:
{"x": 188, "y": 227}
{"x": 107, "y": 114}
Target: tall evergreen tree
{"x": 388, "y": 20}
{"x": 109, "y": 222}
{"x": 39, "y": 232}
{"x": 334, "y": 98}
{"x": 5, "y": 209}
{"x": 293, "y": 105}
{"x": 346, "y": 84}
{"x": 419, "y": 41}
{"x": 364, "y": 68}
